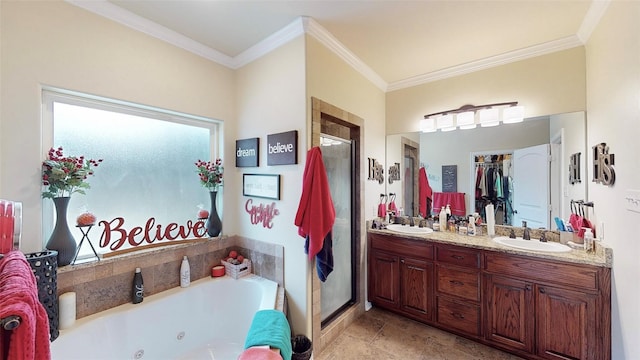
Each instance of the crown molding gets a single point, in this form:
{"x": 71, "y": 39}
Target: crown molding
{"x": 309, "y": 26}
{"x": 591, "y": 20}
{"x": 113, "y": 12}
{"x": 274, "y": 41}
{"x": 493, "y": 61}
{"x": 327, "y": 39}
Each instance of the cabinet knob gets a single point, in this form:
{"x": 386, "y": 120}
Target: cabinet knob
{"x": 457, "y": 315}
{"x": 457, "y": 257}
{"x": 542, "y": 290}
{"x": 456, "y": 282}
{"x": 527, "y": 287}
{"x": 402, "y": 261}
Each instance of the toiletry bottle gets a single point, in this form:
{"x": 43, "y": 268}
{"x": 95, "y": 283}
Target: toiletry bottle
{"x": 471, "y": 227}
{"x": 442, "y": 219}
{"x": 448, "y": 211}
{"x": 185, "y": 272}
{"x": 589, "y": 242}
{"x": 138, "y": 287}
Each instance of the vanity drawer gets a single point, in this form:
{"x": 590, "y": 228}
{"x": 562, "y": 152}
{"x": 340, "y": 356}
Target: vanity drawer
{"x": 459, "y": 316}
{"x": 400, "y": 246}
{"x": 457, "y": 256}
{"x": 464, "y": 283}
{"x": 583, "y": 276}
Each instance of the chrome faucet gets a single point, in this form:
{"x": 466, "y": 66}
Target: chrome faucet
{"x": 525, "y": 232}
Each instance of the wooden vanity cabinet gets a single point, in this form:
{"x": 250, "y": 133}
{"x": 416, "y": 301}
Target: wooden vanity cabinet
{"x": 548, "y": 309}
{"x": 535, "y": 308}
{"x": 401, "y": 275}
{"x": 458, "y": 289}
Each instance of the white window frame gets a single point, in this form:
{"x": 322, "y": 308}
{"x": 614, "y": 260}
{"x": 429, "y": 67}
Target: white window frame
{"x": 50, "y": 95}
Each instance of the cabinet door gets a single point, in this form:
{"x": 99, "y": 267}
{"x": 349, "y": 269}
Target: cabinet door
{"x": 566, "y": 324}
{"x": 384, "y": 273}
{"x": 509, "y": 309}
{"x": 416, "y": 286}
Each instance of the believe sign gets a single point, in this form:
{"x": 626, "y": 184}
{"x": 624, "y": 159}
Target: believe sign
{"x": 282, "y": 148}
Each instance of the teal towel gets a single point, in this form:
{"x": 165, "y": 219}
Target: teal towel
{"x": 270, "y": 327}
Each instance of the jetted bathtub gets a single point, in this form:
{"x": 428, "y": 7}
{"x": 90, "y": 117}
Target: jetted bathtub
{"x": 207, "y": 320}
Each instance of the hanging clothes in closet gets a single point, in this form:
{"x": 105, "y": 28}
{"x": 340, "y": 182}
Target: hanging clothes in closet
{"x": 492, "y": 186}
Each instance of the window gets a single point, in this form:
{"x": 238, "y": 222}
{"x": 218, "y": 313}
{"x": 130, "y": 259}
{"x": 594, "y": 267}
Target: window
{"x": 148, "y": 169}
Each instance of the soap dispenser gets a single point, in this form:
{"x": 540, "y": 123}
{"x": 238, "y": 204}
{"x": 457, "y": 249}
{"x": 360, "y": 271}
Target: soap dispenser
{"x": 442, "y": 219}
{"x": 589, "y": 242}
{"x": 185, "y": 272}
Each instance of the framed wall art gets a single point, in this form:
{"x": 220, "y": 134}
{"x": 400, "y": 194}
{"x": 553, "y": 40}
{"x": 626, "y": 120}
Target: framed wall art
{"x": 261, "y": 185}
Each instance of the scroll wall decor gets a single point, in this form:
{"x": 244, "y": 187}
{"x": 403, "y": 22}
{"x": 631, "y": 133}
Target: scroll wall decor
{"x": 261, "y": 213}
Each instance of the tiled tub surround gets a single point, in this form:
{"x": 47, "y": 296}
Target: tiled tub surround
{"x": 107, "y": 283}
{"x": 208, "y": 319}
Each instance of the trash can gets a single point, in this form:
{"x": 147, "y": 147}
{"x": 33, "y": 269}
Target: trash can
{"x": 44, "y": 265}
{"x": 302, "y": 348}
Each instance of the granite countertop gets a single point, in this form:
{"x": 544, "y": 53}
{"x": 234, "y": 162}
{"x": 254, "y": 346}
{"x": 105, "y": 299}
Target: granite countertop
{"x": 603, "y": 255}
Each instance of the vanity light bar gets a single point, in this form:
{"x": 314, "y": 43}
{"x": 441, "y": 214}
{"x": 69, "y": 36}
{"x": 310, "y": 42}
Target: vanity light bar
{"x": 465, "y": 117}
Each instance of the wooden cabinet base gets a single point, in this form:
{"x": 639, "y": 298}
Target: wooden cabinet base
{"x": 534, "y": 308}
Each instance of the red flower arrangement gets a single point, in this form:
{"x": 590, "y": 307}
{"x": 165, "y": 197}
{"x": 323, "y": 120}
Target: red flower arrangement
{"x": 65, "y": 175}
{"x": 210, "y": 173}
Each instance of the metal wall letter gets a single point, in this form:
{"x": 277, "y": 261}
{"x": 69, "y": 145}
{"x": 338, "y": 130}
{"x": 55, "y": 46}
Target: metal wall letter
{"x": 574, "y": 168}
{"x": 394, "y": 173}
{"x": 376, "y": 171}
{"x": 603, "y": 171}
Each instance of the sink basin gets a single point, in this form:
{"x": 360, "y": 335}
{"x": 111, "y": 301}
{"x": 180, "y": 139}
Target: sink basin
{"x": 533, "y": 244}
{"x": 406, "y": 229}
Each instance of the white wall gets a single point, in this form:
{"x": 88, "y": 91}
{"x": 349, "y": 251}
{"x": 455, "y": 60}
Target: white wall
{"x": 545, "y": 85}
{"x": 613, "y": 117}
{"x": 271, "y": 99}
{"x": 333, "y": 81}
{"x": 57, "y": 44}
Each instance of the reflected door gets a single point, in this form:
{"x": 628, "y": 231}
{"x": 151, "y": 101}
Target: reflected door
{"x": 530, "y": 179}
{"x": 338, "y": 291}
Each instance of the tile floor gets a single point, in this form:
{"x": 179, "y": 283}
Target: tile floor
{"x": 381, "y": 335}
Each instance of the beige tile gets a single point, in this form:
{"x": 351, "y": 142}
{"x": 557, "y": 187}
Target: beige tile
{"x": 348, "y": 347}
{"x": 364, "y": 328}
{"x": 379, "y": 334}
{"x": 400, "y": 342}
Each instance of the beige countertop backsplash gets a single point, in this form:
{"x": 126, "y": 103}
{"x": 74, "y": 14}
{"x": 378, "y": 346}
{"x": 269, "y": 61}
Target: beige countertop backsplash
{"x": 603, "y": 256}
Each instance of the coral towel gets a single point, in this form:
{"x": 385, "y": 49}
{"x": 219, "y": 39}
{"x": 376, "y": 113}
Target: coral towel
{"x": 425, "y": 193}
{"x": 19, "y": 296}
{"x": 316, "y": 214}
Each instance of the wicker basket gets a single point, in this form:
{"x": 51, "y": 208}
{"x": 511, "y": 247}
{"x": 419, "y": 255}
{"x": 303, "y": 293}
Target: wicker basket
{"x": 237, "y": 271}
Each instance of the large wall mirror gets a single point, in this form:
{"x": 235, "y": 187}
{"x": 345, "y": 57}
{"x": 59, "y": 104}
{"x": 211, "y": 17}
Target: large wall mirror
{"x": 541, "y": 163}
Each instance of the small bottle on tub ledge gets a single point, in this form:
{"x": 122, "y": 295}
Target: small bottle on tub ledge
{"x": 138, "y": 287}
{"x": 185, "y": 272}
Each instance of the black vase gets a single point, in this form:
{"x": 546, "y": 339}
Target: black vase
{"x": 61, "y": 239}
{"x": 213, "y": 224}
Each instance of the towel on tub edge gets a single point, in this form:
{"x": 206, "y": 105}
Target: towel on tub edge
{"x": 270, "y": 327}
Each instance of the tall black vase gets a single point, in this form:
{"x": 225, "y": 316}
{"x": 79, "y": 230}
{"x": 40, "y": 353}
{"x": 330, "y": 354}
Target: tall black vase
{"x": 61, "y": 239}
{"x": 213, "y": 224}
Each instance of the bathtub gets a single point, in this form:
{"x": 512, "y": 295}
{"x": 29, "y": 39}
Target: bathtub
{"x": 207, "y": 320}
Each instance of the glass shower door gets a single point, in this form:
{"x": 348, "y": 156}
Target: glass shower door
{"x": 338, "y": 291}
